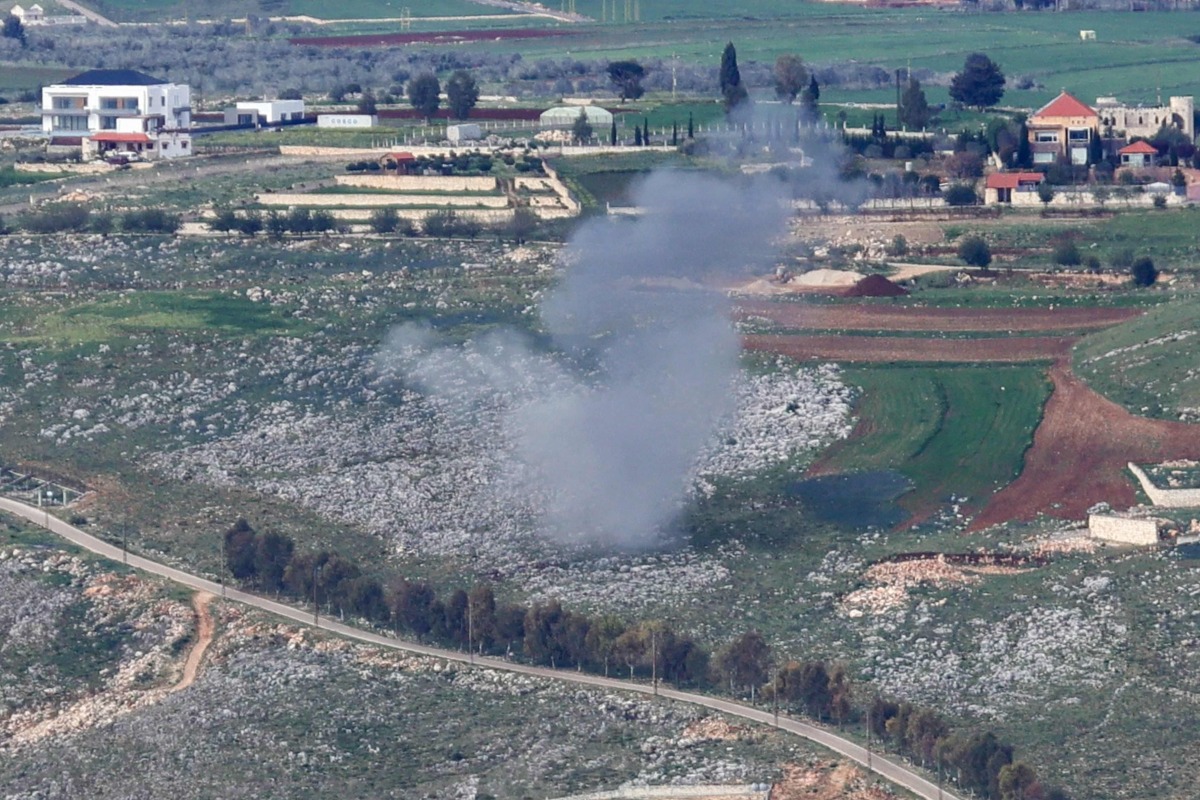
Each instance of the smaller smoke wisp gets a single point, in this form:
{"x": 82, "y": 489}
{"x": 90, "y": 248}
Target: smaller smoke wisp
{"x": 607, "y": 435}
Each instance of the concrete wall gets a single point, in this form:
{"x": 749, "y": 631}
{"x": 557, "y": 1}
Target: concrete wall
{"x": 1168, "y": 498}
{"x": 1083, "y": 199}
{"x": 486, "y": 216}
{"x": 374, "y": 200}
{"x": 420, "y": 183}
{"x": 1124, "y": 529}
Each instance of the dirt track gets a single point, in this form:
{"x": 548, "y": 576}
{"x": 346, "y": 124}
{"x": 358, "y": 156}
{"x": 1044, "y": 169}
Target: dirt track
{"x": 204, "y": 637}
{"x": 899, "y": 348}
{"x": 1079, "y": 455}
{"x": 910, "y": 318}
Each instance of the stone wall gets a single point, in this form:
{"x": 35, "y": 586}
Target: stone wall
{"x": 1168, "y": 498}
{"x": 375, "y": 200}
{"x": 1127, "y": 530}
{"x": 485, "y": 216}
{"x": 420, "y": 183}
{"x": 750, "y": 792}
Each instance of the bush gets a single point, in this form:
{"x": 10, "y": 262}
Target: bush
{"x": 102, "y": 222}
{"x": 961, "y": 194}
{"x": 56, "y": 218}
{"x": 898, "y": 246}
{"x": 1144, "y": 272}
{"x": 1160, "y": 201}
{"x": 250, "y": 224}
{"x": 384, "y": 220}
{"x": 276, "y": 224}
{"x": 150, "y": 220}
{"x": 447, "y": 223}
{"x": 225, "y": 221}
{"x": 1066, "y": 254}
{"x": 974, "y": 251}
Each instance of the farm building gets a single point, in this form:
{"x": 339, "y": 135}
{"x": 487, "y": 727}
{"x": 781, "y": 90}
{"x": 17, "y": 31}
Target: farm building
{"x": 1139, "y": 154}
{"x": 1063, "y": 129}
{"x": 1127, "y": 529}
{"x": 1000, "y": 186}
{"x": 120, "y": 110}
{"x": 463, "y": 132}
{"x": 266, "y": 112}
{"x": 565, "y": 116}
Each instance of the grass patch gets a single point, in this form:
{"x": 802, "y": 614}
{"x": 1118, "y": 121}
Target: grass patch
{"x": 959, "y": 431}
{"x": 1148, "y": 364}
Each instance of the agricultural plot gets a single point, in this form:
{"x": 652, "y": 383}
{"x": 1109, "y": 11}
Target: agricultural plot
{"x": 167, "y": 10}
{"x": 958, "y": 433}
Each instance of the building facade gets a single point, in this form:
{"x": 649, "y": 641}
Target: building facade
{"x": 265, "y": 112}
{"x": 1128, "y": 122}
{"x": 1063, "y": 130}
{"x": 119, "y": 110}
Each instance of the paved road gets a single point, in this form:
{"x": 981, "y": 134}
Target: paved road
{"x": 87, "y": 12}
{"x": 889, "y": 769}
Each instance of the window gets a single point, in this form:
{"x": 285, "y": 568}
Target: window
{"x": 108, "y": 123}
{"x": 70, "y": 123}
{"x": 1046, "y": 137}
{"x": 65, "y": 103}
{"x": 1043, "y": 158}
{"x": 1079, "y": 135}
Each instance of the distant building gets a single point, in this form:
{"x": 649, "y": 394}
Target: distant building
{"x": 1127, "y": 122}
{"x": 107, "y": 110}
{"x": 565, "y": 116}
{"x": 35, "y": 15}
{"x": 347, "y": 121}
{"x": 1062, "y": 130}
{"x": 1000, "y": 186}
{"x": 464, "y": 132}
{"x": 265, "y": 112}
{"x": 1137, "y": 155}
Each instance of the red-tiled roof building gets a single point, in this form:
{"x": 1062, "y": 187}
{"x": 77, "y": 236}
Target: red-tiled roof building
{"x": 1063, "y": 129}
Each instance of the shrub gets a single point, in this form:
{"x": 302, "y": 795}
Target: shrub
{"x": 56, "y": 218}
{"x": 299, "y": 220}
{"x": 1144, "y": 272}
{"x": 250, "y": 224}
{"x": 961, "y": 194}
{"x": 322, "y": 220}
{"x": 974, "y": 251}
{"x": 276, "y": 224}
{"x": 225, "y": 221}
{"x": 150, "y": 220}
{"x": 102, "y": 222}
{"x": 898, "y": 246}
{"x": 1066, "y": 254}
{"x": 384, "y": 220}
{"x": 1160, "y": 201}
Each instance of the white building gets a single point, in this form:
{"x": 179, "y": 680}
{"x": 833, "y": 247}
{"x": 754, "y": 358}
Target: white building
{"x": 28, "y": 16}
{"x": 119, "y": 110}
{"x": 565, "y": 116}
{"x": 265, "y": 112}
{"x": 464, "y": 132}
{"x": 1129, "y": 121}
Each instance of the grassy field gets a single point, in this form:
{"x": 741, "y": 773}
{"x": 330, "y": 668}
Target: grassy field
{"x": 160, "y": 10}
{"x": 1148, "y": 364}
{"x": 958, "y": 431}
{"x": 15, "y": 77}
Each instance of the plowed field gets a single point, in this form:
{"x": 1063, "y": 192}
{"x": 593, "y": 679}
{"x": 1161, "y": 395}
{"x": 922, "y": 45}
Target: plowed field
{"x": 1079, "y": 455}
{"x": 866, "y": 349}
{"x": 909, "y": 318}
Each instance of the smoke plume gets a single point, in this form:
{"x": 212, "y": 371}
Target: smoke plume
{"x": 609, "y": 443}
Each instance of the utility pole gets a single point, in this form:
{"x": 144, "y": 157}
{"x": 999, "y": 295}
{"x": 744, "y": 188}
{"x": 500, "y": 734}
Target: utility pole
{"x": 674, "y": 77}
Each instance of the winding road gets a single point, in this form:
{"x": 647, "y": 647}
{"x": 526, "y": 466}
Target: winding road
{"x": 885, "y": 767}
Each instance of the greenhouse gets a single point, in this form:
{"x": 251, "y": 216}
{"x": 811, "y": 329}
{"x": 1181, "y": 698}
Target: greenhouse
{"x": 565, "y": 116}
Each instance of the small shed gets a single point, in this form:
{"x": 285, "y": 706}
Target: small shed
{"x": 565, "y": 116}
{"x": 403, "y": 162}
{"x": 1001, "y": 185}
{"x": 464, "y": 132}
{"x": 1138, "y": 154}
{"x": 1127, "y": 529}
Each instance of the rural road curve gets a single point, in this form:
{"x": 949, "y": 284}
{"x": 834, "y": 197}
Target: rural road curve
{"x": 896, "y": 773}
{"x": 87, "y": 12}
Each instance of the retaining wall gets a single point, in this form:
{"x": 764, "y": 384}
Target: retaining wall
{"x": 420, "y": 183}
{"x": 376, "y": 200}
{"x": 1128, "y": 530}
{"x": 646, "y": 793}
{"x": 1168, "y": 498}
{"x": 486, "y": 216}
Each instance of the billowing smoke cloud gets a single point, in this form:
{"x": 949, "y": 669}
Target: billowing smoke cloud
{"x": 609, "y": 446}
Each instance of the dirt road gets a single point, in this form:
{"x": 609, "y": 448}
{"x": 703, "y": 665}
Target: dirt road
{"x": 875, "y": 317}
{"x": 204, "y": 637}
{"x": 886, "y": 767}
{"x": 869, "y": 349}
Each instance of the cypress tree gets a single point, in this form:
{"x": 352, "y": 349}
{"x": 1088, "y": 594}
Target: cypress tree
{"x": 674, "y": 133}
{"x": 612, "y": 134}
{"x": 691, "y": 127}
{"x": 645, "y": 131}
{"x": 637, "y": 135}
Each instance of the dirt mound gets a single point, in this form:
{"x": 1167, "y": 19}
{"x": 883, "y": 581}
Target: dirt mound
{"x": 875, "y": 286}
{"x": 827, "y": 277}
{"x": 1079, "y": 455}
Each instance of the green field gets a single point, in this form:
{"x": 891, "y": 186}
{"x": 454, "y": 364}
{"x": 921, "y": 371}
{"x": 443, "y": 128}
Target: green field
{"x": 18, "y": 77}
{"x": 1148, "y": 364}
{"x": 959, "y": 431}
{"x": 158, "y": 10}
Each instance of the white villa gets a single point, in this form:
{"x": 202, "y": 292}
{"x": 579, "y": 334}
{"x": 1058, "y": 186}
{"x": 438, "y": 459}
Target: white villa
{"x": 107, "y": 111}
{"x": 35, "y": 15}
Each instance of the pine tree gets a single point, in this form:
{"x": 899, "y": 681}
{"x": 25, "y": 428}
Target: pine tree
{"x": 731, "y": 79}
{"x": 914, "y": 108}
{"x": 691, "y": 127}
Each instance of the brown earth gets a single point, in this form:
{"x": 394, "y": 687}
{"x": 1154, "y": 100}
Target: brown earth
{"x": 204, "y": 637}
{"x": 909, "y": 318}
{"x": 832, "y": 780}
{"x": 1080, "y": 452}
{"x": 430, "y": 37}
{"x": 898, "y": 348}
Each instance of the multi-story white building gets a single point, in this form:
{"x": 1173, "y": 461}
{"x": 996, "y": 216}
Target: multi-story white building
{"x": 119, "y": 110}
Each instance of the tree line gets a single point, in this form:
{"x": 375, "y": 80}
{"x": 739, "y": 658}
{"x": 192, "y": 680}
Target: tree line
{"x": 78, "y": 218}
{"x": 546, "y": 633}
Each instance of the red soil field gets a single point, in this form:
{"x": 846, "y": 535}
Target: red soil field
{"x": 1079, "y": 455}
{"x": 900, "y": 348}
{"x": 872, "y": 317}
{"x": 430, "y": 37}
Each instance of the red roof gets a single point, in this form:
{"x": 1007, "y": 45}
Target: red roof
{"x": 401, "y": 157}
{"x": 1138, "y": 148}
{"x": 1011, "y": 180}
{"x": 1066, "y": 106}
{"x": 113, "y": 136}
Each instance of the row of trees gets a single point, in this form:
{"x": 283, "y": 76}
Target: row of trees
{"x": 77, "y": 218}
{"x": 546, "y": 633}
